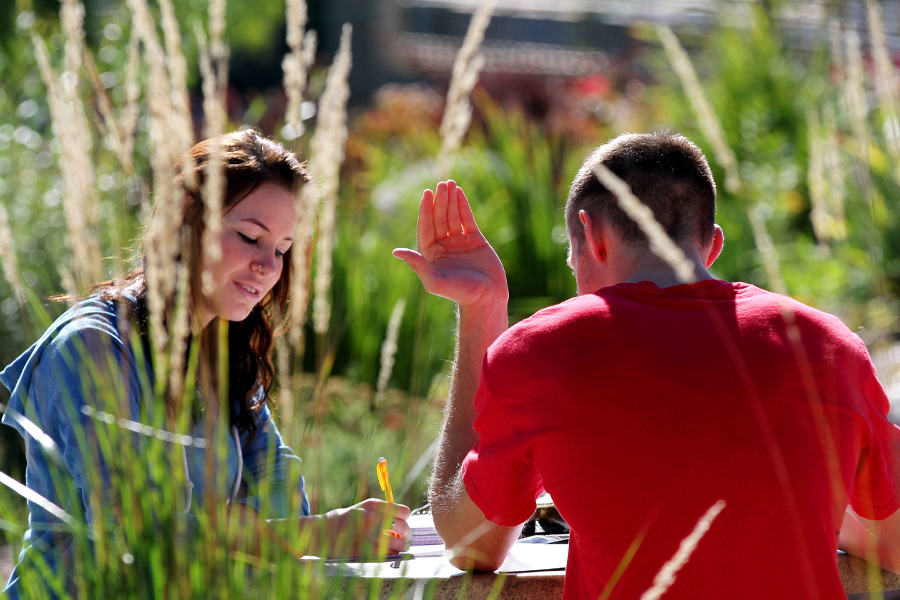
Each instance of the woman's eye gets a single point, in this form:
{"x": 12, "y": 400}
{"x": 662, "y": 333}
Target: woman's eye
{"x": 247, "y": 239}
{"x": 279, "y": 253}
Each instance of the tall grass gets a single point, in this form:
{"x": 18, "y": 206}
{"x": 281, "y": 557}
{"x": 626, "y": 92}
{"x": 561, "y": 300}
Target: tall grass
{"x": 381, "y": 376}
{"x": 136, "y": 542}
{"x": 774, "y": 104}
{"x": 327, "y": 155}
{"x": 666, "y": 576}
{"x": 466, "y": 68}
{"x": 712, "y": 129}
{"x": 8, "y": 260}
{"x": 660, "y": 242}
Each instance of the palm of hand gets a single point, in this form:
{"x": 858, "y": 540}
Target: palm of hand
{"x": 455, "y": 260}
{"x": 464, "y": 268}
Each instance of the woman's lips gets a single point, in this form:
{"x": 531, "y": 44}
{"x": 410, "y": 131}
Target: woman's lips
{"x": 250, "y": 292}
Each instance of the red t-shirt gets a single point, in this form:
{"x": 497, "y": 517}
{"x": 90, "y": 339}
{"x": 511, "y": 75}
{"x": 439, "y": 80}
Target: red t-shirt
{"x": 638, "y": 408}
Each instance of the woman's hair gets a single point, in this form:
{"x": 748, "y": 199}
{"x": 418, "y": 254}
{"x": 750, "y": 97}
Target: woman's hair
{"x": 249, "y": 160}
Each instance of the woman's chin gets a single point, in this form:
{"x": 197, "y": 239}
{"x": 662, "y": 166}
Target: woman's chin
{"x": 237, "y": 314}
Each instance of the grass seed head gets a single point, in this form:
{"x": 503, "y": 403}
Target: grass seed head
{"x": 307, "y": 202}
{"x": 8, "y": 259}
{"x": 660, "y": 243}
{"x": 325, "y": 161}
{"x": 666, "y": 575}
{"x": 284, "y": 375}
{"x": 214, "y": 184}
{"x": 181, "y": 327}
{"x": 885, "y": 82}
{"x": 855, "y": 96}
{"x": 178, "y": 72}
{"x": 706, "y": 117}
{"x": 466, "y": 69}
{"x": 79, "y": 193}
{"x": 297, "y": 62}
{"x": 389, "y": 347}
{"x": 819, "y": 214}
{"x": 835, "y": 173}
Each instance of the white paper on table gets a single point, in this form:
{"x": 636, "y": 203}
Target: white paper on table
{"x": 430, "y": 562}
{"x": 404, "y": 565}
{"x": 423, "y": 550}
{"x": 423, "y": 531}
{"x": 525, "y": 557}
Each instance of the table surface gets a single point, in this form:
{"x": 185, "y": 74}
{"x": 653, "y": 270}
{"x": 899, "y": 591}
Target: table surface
{"x": 433, "y": 576}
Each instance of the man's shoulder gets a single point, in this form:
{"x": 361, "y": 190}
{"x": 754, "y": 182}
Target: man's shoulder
{"x": 757, "y": 300}
{"x": 753, "y": 307}
{"x": 562, "y": 315}
{"x": 823, "y": 333}
{"x": 548, "y": 327}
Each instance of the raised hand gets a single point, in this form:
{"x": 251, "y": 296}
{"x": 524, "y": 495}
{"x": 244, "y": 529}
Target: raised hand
{"x": 454, "y": 259}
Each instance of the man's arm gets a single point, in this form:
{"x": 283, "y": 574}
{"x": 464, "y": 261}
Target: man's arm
{"x": 475, "y": 542}
{"x": 455, "y": 261}
{"x": 876, "y": 541}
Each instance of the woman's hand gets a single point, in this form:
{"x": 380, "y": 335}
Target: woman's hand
{"x": 454, "y": 259}
{"x": 370, "y": 528}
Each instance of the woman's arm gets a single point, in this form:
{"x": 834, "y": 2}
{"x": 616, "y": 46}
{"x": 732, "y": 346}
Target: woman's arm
{"x": 271, "y": 471}
{"x": 370, "y": 528}
{"x": 85, "y": 380}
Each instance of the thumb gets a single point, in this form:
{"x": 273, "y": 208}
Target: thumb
{"x": 415, "y": 261}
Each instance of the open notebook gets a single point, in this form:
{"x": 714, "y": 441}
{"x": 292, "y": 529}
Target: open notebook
{"x": 426, "y": 556}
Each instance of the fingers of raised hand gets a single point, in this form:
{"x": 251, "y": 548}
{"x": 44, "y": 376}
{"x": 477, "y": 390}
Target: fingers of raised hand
{"x": 443, "y": 213}
{"x": 448, "y": 217}
{"x": 454, "y": 222}
{"x": 425, "y": 232}
{"x": 465, "y": 212}
{"x": 441, "y": 198}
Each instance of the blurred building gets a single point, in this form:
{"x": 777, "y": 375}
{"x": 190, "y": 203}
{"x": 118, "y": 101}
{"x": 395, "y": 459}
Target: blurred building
{"x": 415, "y": 39}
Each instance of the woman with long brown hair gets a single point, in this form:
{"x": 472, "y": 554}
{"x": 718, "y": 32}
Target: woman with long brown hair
{"x": 101, "y": 348}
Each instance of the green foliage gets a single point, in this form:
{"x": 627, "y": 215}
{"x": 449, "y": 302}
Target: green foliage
{"x": 516, "y": 175}
{"x": 515, "y": 172}
{"x": 763, "y": 92}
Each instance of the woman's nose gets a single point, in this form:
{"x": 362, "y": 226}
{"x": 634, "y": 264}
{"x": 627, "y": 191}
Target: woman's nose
{"x": 265, "y": 263}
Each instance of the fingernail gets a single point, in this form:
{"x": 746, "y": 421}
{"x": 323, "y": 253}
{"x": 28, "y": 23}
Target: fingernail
{"x": 393, "y": 534}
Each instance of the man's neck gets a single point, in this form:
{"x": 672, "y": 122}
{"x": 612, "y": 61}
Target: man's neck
{"x": 646, "y": 266}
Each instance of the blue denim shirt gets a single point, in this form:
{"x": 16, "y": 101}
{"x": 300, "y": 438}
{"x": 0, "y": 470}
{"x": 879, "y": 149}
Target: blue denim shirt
{"x": 85, "y": 363}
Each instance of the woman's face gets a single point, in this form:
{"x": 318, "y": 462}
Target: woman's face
{"x": 256, "y": 232}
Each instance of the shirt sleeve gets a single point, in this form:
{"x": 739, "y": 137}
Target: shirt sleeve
{"x": 499, "y": 473}
{"x": 84, "y": 377}
{"x": 876, "y": 491}
{"x": 271, "y": 472}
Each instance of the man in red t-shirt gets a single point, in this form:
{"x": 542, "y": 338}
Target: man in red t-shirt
{"x": 705, "y": 439}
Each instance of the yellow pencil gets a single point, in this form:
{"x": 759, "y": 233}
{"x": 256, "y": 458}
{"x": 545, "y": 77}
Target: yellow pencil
{"x": 383, "y": 479}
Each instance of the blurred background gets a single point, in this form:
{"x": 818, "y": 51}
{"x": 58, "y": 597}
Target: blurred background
{"x": 807, "y": 103}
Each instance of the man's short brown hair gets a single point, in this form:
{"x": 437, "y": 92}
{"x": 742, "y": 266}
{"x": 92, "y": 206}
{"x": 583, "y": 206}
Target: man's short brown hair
{"x": 666, "y": 171}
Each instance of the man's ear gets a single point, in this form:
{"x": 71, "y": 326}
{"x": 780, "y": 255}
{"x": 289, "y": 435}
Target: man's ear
{"x": 716, "y": 247}
{"x": 592, "y": 237}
